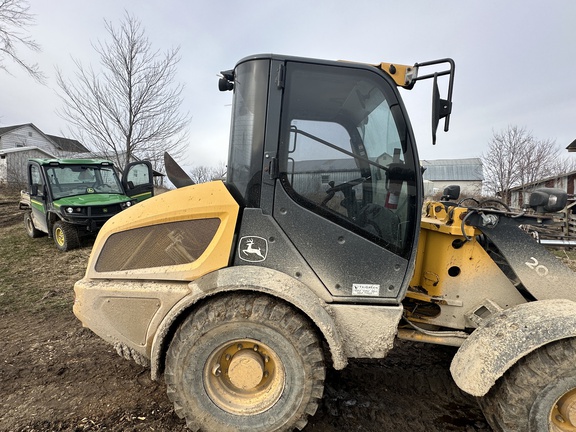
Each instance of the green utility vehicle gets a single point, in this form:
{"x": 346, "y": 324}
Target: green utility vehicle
{"x": 70, "y": 198}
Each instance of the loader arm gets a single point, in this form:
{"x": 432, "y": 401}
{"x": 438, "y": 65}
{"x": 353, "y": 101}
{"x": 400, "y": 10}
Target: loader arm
{"x": 540, "y": 273}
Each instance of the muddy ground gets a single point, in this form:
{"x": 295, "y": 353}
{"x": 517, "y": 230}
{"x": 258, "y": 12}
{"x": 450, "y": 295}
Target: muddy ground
{"x": 57, "y": 376}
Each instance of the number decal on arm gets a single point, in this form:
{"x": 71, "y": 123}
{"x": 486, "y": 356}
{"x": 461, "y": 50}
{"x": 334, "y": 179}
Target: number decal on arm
{"x": 540, "y": 269}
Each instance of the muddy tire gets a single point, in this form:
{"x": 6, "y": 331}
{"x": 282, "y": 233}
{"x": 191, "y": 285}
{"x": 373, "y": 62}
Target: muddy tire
{"x": 29, "y": 226}
{"x": 536, "y": 394}
{"x": 65, "y": 236}
{"x": 245, "y": 363}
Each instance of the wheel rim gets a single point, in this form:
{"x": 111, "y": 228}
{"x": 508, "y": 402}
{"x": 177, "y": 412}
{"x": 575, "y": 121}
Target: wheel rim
{"x": 59, "y": 236}
{"x": 244, "y": 377}
{"x": 563, "y": 414}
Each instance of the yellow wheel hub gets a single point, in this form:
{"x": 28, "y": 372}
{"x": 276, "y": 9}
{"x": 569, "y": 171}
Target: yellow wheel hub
{"x": 563, "y": 414}
{"x": 246, "y": 370}
{"x": 244, "y": 377}
{"x": 59, "y": 236}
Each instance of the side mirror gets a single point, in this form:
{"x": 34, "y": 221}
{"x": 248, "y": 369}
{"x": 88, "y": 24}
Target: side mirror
{"x": 451, "y": 193}
{"x": 548, "y": 200}
{"x": 441, "y": 108}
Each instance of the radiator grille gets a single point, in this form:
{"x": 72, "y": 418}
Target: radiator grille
{"x": 157, "y": 245}
{"x": 109, "y": 210}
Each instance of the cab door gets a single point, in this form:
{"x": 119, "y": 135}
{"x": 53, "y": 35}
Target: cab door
{"x": 347, "y": 193}
{"x": 137, "y": 180}
{"x": 39, "y": 198}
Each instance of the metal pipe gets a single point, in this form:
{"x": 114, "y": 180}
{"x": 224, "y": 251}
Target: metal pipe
{"x": 558, "y": 242}
{"x": 417, "y": 336}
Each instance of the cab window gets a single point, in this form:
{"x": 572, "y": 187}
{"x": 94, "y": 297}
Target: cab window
{"x": 137, "y": 176}
{"x": 248, "y": 130}
{"x": 36, "y": 181}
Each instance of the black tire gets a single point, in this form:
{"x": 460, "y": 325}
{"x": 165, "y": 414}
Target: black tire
{"x": 527, "y": 397}
{"x": 65, "y": 236}
{"x": 29, "y": 226}
{"x": 245, "y": 362}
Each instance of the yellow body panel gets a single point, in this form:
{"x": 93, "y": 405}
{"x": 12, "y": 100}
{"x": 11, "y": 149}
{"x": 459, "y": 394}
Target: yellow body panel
{"x": 455, "y": 274}
{"x": 207, "y": 201}
{"x": 126, "y": 313}
{"x": 438, "y": 220}
{"x": 402, "y": 75}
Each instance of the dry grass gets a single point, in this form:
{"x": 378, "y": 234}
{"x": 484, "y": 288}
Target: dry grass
{"x": 34, "y": 276}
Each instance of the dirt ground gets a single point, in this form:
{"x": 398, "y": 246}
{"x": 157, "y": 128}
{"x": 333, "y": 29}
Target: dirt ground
{"x": 57, "y": 376}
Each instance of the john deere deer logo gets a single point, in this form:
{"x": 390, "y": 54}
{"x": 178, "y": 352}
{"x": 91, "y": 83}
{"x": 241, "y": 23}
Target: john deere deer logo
{"x": 253, "y": 249}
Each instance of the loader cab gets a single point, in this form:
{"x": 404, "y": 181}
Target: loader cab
{"x": 326, "y": 150}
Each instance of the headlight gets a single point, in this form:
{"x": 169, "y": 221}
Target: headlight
{"x": 127, "y": 204}
{"x": 75, "y": 210}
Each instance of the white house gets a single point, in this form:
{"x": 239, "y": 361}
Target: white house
{"x": 21, "y": 142}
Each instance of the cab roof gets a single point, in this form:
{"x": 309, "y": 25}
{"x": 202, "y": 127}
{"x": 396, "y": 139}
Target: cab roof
{"x": 102, "y": 162}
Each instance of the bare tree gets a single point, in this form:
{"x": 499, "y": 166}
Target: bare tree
{"x": 202, "y": 174}
{"x": 131, "y": 107}
{"x": 564, "y": 165}
{"x": 515, "y": 158}
{"x": 500, "y": 163}
{"x": 15, "y": 18}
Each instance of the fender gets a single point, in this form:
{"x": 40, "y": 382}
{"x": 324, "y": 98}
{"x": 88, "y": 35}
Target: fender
{"x": 255, "y": 279}
{"x": 507, "y": 337}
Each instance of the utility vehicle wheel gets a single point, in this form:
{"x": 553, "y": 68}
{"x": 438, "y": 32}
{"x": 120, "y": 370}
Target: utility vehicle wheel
{"x": 65, "y": 236}
{"x": 245, "y": 363}
{"x": 538, "y": 394}
{"x": 29, "y": 225}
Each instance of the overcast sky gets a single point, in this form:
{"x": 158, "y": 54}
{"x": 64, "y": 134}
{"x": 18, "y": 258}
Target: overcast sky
{"x": 515, "y": 60}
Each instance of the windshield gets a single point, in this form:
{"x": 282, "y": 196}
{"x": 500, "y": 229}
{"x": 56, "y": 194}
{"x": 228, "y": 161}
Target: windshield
{"x": 71, "y": 180}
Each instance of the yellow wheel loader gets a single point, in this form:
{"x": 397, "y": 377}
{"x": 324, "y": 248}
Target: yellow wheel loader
{"x": 240, "y": 293}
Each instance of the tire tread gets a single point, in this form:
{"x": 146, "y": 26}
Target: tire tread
{"x": 507, "y": 405}
{"x": 255, "y": 308}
